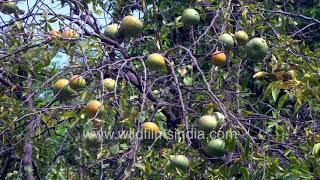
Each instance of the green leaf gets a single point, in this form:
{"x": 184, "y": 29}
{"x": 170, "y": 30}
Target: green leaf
{"x": 114, "y": 149}
{"x": 245, "y": 173}
{"x": 124, "y": 146}
{"x": 246, "y": 150}
{"x": 275, "y": 92}
{"x": 282, "y": 100}
{"x": 272, "y": 90}
{"x": 140, "y": 166}
{"x": 316, "y": 149}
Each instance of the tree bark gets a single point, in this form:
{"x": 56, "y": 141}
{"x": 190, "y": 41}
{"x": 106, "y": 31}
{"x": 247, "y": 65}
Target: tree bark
{"x": 27, "y": 149}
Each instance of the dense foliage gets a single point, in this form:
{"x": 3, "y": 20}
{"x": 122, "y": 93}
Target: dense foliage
{"x": 190, "y": 73}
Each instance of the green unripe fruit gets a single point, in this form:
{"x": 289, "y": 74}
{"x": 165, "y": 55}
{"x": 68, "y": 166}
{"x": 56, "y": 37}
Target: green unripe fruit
{"x": 130, "y": 26}
{"x": 208, "y": 123}
{"x": 9, "y": 8}
{"x": 190, "y": 17}
{"x": 62, "y": 88}
{"x": 77, "y": 82}
{"x": 156, "y": 62}
{"x": 220, "y": 117}
{"x": 216, "y": 147}
{"x": 109, "y": 84}
{"x": 227, "y": 41}
{"x": 112, "y": 31}
{"x": 257, "y": 49}
{"x": 180, "y": 161}
{"x": 241, "y": 37}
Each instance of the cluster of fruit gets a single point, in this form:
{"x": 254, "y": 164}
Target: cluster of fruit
{"x": 65, "y": 89}
{"x": 10, "y": 7}
{"x": 207, "y": 123}
{"x": 131, "y": 26}
{"x": 255, "y": 49}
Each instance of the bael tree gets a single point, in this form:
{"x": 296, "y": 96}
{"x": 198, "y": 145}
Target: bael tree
{"x": 241, "y": 75}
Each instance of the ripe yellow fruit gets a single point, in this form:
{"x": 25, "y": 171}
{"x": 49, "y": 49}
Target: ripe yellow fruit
{"x": 150, "y": 130}
{"x": 150, "y": 126}
{"x": 180, "y": 161}
{"x": 62, "y": 88}
{"x": 130, "y": 26}
{"x": 241, "y": 37}
{"x": 61, "y": 83}
{"x": 156, "y": 62}
{"x": 208, "y": 123}
{"x": 109, "y": 84}
{"x": 77, "y": 82}
{"x": 218, "y": 58}
{"x": 112, "y": 31}
{"x": 94, "y": 108}
{"x": 70, "y": 34}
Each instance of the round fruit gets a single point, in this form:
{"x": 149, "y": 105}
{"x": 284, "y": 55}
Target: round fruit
{"x": 220, "y": 117}
{"x": 208, "y": 123}
{"x": 8, "y": 7}
{"x": 257, "y": 48}
{"x": 216, "y": 147}
{"x": 190, "y": 17}
{"x": 61, "y": 84}
{"x": 77, "y": 82}
{"x": 62, "y": 88}
{"x": 218, "y": 58}
{"x": 150, "y": 126}
{"x": 241, "y": 37}
{"x": 156, "y": 62}
{"x": 131, "y": 26}
{"x": 112, "y": 31}
{"x": 109, "y": 84}
{"x": 94, "y": 108}
{"x": 180, "y": 161}
{"x": 227, "y": 41}
{"x": 70, "y": 34}
{"x": 150, "y": 130}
